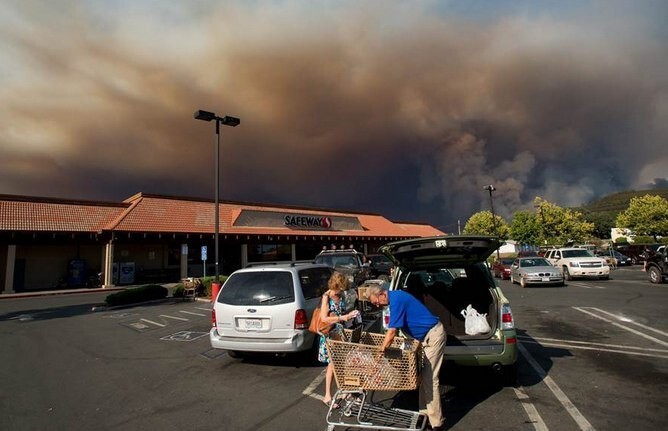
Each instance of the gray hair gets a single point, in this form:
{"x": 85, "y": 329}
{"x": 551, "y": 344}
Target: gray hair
{"x": 377, "y": 289}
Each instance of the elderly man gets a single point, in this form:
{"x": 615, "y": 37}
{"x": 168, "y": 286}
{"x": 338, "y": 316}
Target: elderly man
{"x": 414, "y": 319}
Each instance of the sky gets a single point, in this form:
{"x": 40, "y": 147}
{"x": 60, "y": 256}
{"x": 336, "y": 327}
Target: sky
{"x": 401, "y": 108}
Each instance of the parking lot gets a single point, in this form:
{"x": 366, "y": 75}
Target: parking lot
{"x": 594, "y": 355}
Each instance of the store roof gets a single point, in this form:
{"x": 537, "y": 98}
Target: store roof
{"x": 168, "y": 214}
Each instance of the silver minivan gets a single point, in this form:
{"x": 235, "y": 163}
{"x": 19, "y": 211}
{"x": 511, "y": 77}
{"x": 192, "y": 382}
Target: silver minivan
{"x": 267, "y": 308}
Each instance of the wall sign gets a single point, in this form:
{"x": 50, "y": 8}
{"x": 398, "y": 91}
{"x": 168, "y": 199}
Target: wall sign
{"x": 308, "y": 221}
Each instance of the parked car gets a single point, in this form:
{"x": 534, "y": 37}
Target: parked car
{"x": 527, "y": 253}
{"x": 347, "y": 261}
{"x": 636, "y": 251}
{"x": 578, "y": 262}
{"x": 501, "y": 268}
{"x": 535, "y": 271}
{"x": 380, "y": 266}
{"x": 613, "y": 257}
{"x": 657, "y": 266}
{"x": 267, "y": 308}
{"x": 433, "y": 264}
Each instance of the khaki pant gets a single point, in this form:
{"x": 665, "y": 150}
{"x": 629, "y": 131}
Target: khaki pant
{"x": 430, "y": 395}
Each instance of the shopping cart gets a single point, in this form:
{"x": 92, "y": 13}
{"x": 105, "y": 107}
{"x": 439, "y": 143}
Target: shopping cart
{"x": 360, "y": 368}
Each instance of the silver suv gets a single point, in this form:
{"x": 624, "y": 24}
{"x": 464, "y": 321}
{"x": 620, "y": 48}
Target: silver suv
{"x": 578, "y": 262}
{"x": 267, "y": 308}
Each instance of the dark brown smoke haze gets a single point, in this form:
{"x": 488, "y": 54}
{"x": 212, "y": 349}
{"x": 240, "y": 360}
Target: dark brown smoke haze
{"x": 403, "y": 111}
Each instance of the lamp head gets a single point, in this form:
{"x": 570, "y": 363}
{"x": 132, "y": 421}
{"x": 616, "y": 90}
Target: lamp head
{"x": 230, "y": 121}
{"x": 490, "y": 188}
{"x": 204, "y": 115}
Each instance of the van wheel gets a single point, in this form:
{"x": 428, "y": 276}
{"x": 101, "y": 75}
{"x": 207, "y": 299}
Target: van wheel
{"x": 234, "y": 354}
{"x": 567, "y": 274}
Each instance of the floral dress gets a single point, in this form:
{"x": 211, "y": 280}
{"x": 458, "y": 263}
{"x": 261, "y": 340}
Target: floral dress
{"x": 337, "y": 308}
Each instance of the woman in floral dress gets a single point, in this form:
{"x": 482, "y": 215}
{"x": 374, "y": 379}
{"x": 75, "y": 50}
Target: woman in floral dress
{"x": 331, "y": 311}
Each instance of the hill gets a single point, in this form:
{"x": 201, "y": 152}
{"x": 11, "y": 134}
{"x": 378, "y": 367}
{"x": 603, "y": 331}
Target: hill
{"x": 603, "y": 212}
{"x": 618, "y": 202}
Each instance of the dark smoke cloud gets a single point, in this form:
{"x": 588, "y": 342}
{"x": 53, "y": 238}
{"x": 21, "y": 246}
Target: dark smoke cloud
{"x": 385, "y": 109}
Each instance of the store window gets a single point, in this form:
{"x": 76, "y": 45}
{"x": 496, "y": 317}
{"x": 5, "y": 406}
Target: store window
{"x": 269, "y": 252}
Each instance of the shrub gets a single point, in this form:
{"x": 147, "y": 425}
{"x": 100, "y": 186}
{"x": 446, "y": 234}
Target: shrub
{"x": 137, "y": 294}
{"x": 206, "y": 283}
{"x": 178, "y": 291}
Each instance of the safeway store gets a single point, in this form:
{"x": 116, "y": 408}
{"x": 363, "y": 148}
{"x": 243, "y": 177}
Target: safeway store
{"x": 50, "y": 243}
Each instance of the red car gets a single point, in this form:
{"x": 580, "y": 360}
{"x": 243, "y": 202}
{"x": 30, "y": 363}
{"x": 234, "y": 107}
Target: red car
{"x": 501, "y": 268}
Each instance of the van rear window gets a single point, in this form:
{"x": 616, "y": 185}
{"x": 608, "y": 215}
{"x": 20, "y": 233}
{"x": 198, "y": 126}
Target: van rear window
{"x": 258, "y": 288}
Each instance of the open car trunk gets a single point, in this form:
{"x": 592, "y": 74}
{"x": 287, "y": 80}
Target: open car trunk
{"x": 448, "y": 293}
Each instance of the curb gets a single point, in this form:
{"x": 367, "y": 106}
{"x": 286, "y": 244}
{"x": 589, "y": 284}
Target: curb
{"x": 58, "y": 292}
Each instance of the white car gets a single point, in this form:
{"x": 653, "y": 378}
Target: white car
{"x": 578, "y": 262}
{"x": 267, "y": 308}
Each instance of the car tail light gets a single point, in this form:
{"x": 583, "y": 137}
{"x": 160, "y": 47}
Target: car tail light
{"x": 301, "y": 319}
{"x": 213, "y": 316}
{"x": 507, "y": 317}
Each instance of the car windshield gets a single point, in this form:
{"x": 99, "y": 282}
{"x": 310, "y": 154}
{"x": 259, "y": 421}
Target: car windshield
{"x": 576, "y": 253}
{"x": 258, "y": 288}
{"x": 526, "y": 263}
{"x": 337, "y": 260}
{"x": 380, "y": 259}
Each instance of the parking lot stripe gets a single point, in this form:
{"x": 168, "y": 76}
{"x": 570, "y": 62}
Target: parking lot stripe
{"x": 582, "y": 422}
{"x": 204, "y": 309}
{"x": 314, "y": 384}
{"x": 530, "y": 409}
{"x": 153, "y": 323}
{"x": 627, "y": 320}
{"x": 656, "y": 340}
{"x": 190, "y": 312}
{"x": 644, "y": 349}
{"x": 174, "y": 317}
{"x": 598, "y": 349}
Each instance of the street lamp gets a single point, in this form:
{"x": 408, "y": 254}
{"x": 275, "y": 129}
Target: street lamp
{"x": 226, "y": 121}
{"x": 490, "y": 188}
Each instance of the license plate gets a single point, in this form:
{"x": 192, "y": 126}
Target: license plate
{"x": 253, "y": 323}
{"x": 546, "y": 278}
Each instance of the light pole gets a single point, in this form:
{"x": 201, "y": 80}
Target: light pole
{"x": 226, "y": 121}
{"x": 490, "y": 188}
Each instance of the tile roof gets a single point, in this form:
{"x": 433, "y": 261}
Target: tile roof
{"x": 19, "y": 213}
{"x": 166, "y": 214}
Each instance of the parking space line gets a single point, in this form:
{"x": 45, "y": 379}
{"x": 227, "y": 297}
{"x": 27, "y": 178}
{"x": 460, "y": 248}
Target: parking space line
{"x": 153, "y": 323}
{"x": 191, "y": 313}
{"x": 203, "y": 309}
{"x": 314, "y": 384}
{"x": 174, "y": 317}
{"x": 530, "y": 410}
{"x": 539, "y": 339}
{"x": 582, "y": 422}
{"x": 627, "y": 320}
{"x": 598, "y": 349}
{"x": 656, "y": 340}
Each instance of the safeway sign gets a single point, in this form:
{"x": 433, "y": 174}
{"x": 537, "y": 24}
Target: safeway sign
{"x": 304, "y": 221}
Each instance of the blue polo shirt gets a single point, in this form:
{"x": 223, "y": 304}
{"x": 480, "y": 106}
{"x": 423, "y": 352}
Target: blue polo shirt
{"x": 410, "y": 315}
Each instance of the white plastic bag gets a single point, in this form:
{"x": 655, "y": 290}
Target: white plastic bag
{"x": 474, "y": 322}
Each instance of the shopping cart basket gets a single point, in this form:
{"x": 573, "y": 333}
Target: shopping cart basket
{"x": 360, "y": 367}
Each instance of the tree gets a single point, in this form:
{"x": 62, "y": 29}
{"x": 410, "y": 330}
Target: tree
{"x": 646, "y": 215}
{"x": 524, "y": 228}
{"x": 481, "y": 223}
{"x": 558, "y": 226}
